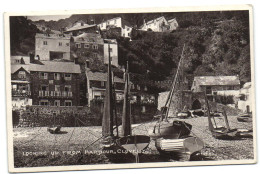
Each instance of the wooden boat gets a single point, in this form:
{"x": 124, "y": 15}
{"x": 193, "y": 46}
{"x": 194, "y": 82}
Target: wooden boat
{"x": 54, "y": 130}
{"x": 173, "y": 138}
{"x": 244, "y": 118}
{"x": 126, "y": 148}
{"x": 182, "y": 148}
{"x": 224, "y": 132}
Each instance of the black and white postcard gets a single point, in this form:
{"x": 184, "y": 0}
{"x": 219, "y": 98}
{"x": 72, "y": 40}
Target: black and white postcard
{"x": 130, "y": 88}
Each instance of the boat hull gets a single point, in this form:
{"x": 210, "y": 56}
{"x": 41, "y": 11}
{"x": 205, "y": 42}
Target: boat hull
{"x": 244, "y": 118}
{"x": 169, "y": 130}
{"x": 180, "y": 149}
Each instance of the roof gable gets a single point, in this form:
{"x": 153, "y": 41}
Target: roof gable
{"x": 216, "y": 80}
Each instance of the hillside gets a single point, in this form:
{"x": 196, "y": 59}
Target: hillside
{"x": 216, "y": 43}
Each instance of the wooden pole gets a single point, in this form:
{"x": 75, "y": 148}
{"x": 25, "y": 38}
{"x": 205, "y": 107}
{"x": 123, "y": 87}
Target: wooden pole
{"x": 126, "y": 121}
{"x": 107, "y": 121}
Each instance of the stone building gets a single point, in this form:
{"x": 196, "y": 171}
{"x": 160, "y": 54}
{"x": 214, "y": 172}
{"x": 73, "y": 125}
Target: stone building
{"x": 20, "y": 86}
{"x": 118, "y": 22}
{"x": 88, "y": 48}
{"x": 55, "y": 83}
{"x": 212, "y": 84}
{"x": 96, "y": 86}
{"x": 160, "y": 24}
{"x": 52, "y": 46}
{"x": 113, "y": 51}
{"x": 245, "y": 98}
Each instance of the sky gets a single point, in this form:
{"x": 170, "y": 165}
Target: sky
{"x": 48, "y": 17}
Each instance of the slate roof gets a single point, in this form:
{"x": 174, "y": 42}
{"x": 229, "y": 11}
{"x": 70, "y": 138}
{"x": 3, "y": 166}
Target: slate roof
{"x": 89, "y": 38}
{"x": 53, "y": 66}
{"x": 49, "y": 66}
{"x": 53, "y": 36}
{"x": 216, "y": 80}
{"x": 171, "y": 20}
{"x": 151, "y": 21}
{"x": 100, "y": 76}
{"x": 74, "y": 28}
{"x": 16, "y": 67}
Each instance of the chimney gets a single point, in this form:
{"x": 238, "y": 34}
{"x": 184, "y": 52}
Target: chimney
{"x": 31, "y": 55}
{"x": 38, "y": 57}
{"x": 76, "y": 60}
{"x": 22, "y": 61}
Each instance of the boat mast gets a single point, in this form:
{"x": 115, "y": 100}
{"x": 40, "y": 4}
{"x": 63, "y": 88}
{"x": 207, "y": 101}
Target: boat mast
{"x": 169, "y": 99}
{"x": 126, "y": 121}
{"x": 107, "y": 121}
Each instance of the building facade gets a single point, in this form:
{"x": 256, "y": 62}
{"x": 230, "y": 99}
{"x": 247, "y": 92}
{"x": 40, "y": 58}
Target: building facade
{"x": 160, "y": 25}
{"x": 112, "y": 43}
{"x": 96, "y": 86}
{"x": 117, "y": 22}
{"x": 55, "y": 83}
{"x": 20, "y": 86}
{"x": 88, "y": 48}
{"x": 52, "y": 46}
{"x": 245, "y": 98}
{"x": 212, "y": 84}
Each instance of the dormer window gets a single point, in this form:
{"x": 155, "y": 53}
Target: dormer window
{"x": 86, "y": 45}
{"x": 22, "y": 74}
{"x": 67, "y": 76}
{"x": 78, "y": 45}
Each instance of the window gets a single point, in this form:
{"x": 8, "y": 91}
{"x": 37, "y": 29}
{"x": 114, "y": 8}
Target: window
{"x": 95, "y": 55}
{"x": 67, "y": 76}
{"x": 230, "y": 88}
{"x": 102, "y": 83}
{"x": 43, "y": 75}
{"x": 45, "y": 43}
{"x": 110, "y": 49}
{"x": 208, "y": 90}
{"x": 138, "y": 87}
{"x": 78, "y": 45}
{"x": 57, "y": 87}
{"x": 57, "y": 103}
{"x": 68, "y": 44}
{"x": 68, "y": 103}
{"x": 44, "y": 88}
{"x": 95, "y": 47}
{"x": 56, "y": 76}
{"x": 22, "y": 75}
{"x": 67, "y": 88}
{"x": 128, "y": 34}
{"x": 86, "y": 45}
{"x": 60, "y": 43}
{"x": 44, "y": 102}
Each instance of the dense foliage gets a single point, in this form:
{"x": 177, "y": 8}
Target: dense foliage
{"x": 216, "y": 43}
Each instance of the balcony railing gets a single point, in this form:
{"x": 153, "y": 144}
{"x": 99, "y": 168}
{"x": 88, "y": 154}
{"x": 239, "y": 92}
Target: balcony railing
{"x": 22, "y": 93}
{"x": 60, "y": 94}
